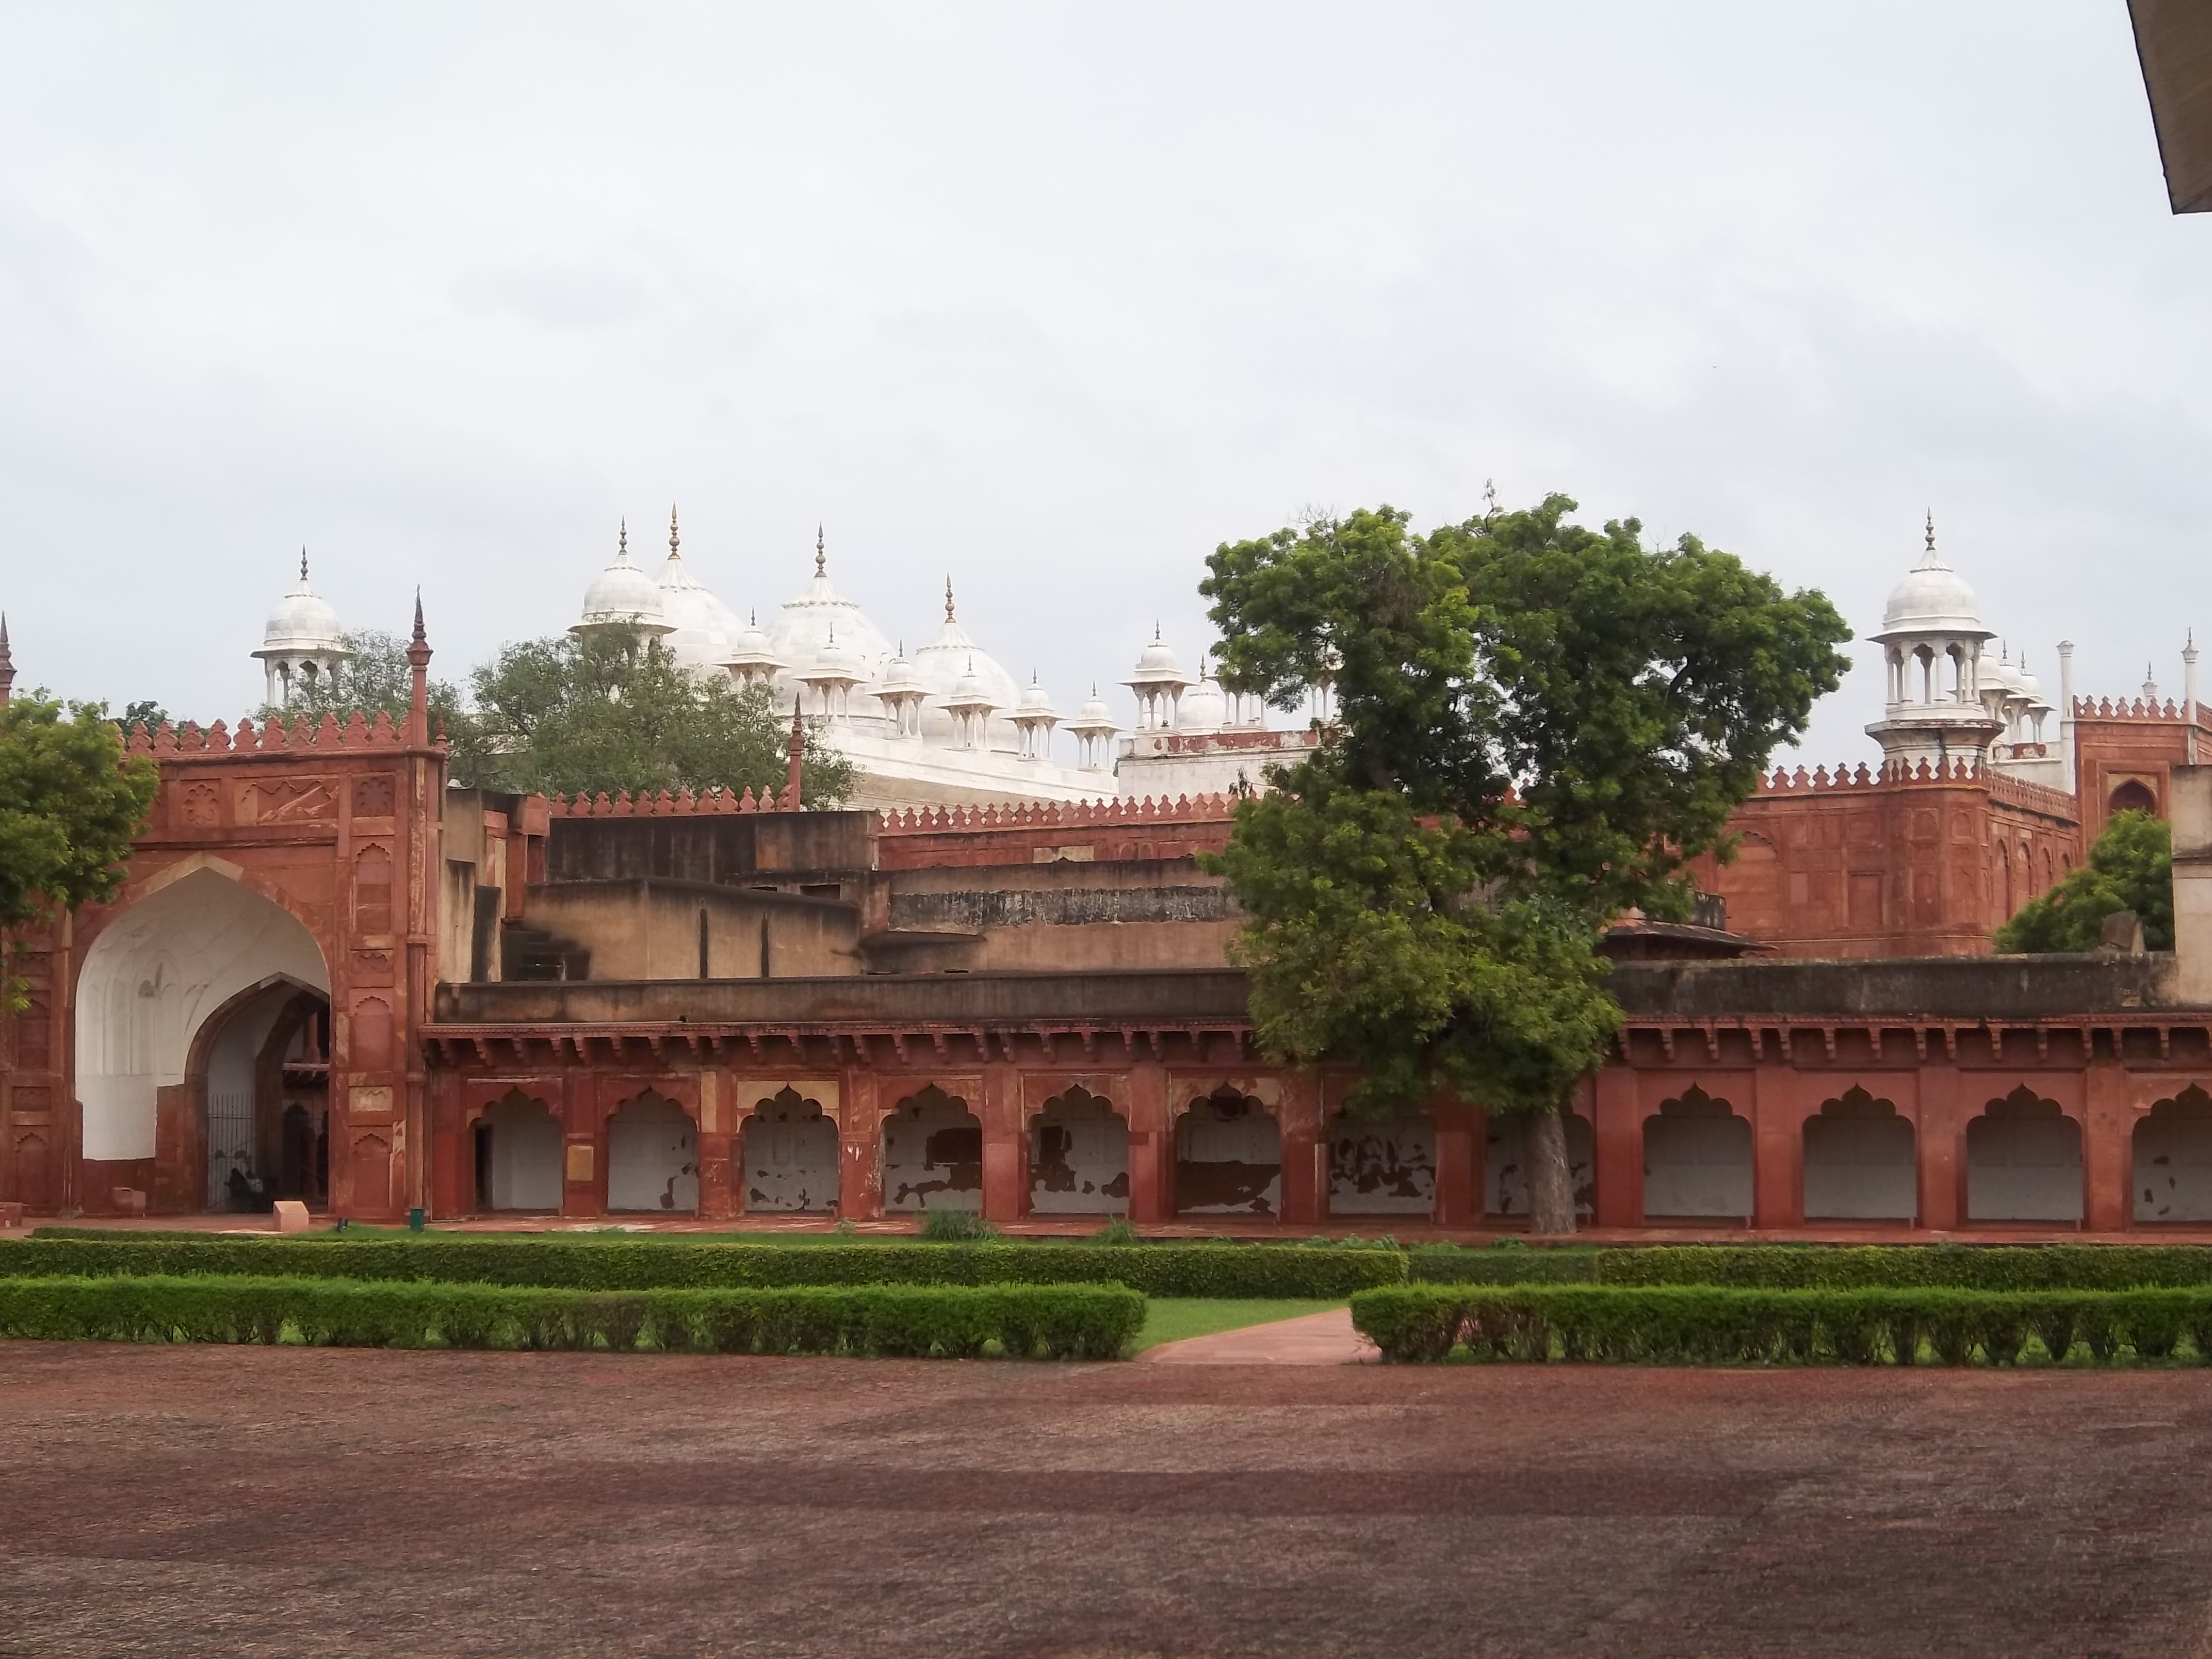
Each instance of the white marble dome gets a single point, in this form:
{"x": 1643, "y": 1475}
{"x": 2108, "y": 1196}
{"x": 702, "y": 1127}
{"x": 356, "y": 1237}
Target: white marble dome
{"x": 623, "y": 596}
{"x": 704, "y": 632}
{"x": 802, "y": 631}
{"x": 943, "y": 665}
{"x": 303, "y": 622}
{"x": 1036, "y": 700}
{"x": 1205, "y": 707}
{"x": 1932, "y": 598}
{"x": 1095, "y": 715}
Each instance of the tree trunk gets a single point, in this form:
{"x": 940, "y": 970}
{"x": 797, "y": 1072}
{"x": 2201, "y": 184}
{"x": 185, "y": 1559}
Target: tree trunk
{"x": 1551, "y": 1186}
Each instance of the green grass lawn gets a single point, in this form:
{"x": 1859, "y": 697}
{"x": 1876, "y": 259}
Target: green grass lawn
{"x": 1170, "y": 1319}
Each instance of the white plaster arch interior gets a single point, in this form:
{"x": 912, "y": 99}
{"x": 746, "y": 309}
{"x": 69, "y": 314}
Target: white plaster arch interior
{"x": 153, "y": 978}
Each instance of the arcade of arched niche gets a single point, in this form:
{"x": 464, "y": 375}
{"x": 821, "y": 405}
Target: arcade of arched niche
{"x": 203, "y": 1056}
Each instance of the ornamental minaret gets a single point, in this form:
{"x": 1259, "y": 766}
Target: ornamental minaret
{"x": 1931, "y": 639}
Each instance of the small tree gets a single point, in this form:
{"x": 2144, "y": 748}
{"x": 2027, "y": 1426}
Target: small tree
{"x": 70, "y": 802}
{"x": 614, "y": 710}
{"x": 1538, "y": 727}
{"x": 2129, "y": 868}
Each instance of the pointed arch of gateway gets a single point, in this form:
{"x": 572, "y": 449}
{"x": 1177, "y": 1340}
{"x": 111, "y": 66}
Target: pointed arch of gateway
{"x": 159, "y": 991}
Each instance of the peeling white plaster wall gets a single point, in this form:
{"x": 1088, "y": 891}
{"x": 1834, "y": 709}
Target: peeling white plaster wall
{"x": 2173, "y": 1167}
{"x": 525, "y": 1156}
{"x": 789, "y": 1148}
{"x": 1079, "y": 1158}
{"x": 1381, "y": 1168}
{"x": 151, "y": 980}
{"x": 652, "y": 1157}
{"x": 1506, "y": 1166}
{"x": 932, "y": 1155}
{"x": 1229, "y": 1159}
{"x": 1697, "y": 1162}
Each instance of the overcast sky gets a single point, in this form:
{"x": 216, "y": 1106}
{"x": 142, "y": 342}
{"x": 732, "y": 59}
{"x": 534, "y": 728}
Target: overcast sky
{"x": 1058, "y": 298}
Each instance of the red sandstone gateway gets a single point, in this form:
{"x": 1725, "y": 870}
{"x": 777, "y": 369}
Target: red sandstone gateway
{"x": 330, "y": 978}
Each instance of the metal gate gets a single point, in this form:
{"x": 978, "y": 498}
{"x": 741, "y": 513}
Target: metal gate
{"x": 230, "y": 1143}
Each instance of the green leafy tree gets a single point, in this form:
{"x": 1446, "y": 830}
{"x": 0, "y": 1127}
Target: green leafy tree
{"x": 146, "y": 713}
{"x": 374, "y": 678}
{"x": 611, "y": 710}
{"x": 70, "y": 802}
{"x": 2129, "y": 868}
{"x": 1538, "y": 726}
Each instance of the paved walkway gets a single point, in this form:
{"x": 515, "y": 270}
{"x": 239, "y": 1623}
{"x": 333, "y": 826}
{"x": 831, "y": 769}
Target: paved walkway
{"x": 1321, "y": 1339}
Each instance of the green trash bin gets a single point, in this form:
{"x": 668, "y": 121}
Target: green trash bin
{"x": 415, "y": 1219}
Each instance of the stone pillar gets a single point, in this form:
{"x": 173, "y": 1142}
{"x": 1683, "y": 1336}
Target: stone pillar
{"x": 583, "y": 1160}
{"x": 1305, "y": 1152}
{"x": 1777, "y": 1146}
{"x": 2189, "y": 799}
{"x": 860, "y": 1148}
{"x": 2108, "y": 1147}
{"x": 1940, "y": 1142}
{"x": 1152, "y": 1145}
{"x": 1459, "y": 1163}
{"x": 718, "y": 1191}
{"x": 1617, "y": 1142}
{"x": 1006, "y": 1144}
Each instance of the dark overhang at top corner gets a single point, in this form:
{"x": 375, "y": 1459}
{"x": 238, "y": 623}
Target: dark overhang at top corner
{"x": 2173, "y": 42}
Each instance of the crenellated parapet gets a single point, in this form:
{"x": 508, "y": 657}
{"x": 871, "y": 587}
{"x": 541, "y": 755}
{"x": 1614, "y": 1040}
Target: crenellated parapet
{"x": 1057, "y": 815}
{"x": 681, "y": 803}
{"x": 190, "y": 741}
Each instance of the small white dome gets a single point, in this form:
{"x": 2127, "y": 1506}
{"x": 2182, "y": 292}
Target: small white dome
{"x": 809, "y": 617}
{"x": 1158, "y": 661}
{"x": 1096, "y": 714}
{"x": 623, "y": 596}
{"x": 1036, "y": 700}
{"x": 1205, "y": 707}
{"x": 834, "y": 661}
{"x": 303, "y": 622}
{"x": 751, "y": 648}
{"x": 971, "y": 690}
{"x": 1932, "y": 598}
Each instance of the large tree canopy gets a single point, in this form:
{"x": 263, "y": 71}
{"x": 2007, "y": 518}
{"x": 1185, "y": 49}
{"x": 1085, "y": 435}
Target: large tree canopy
{"x": 611, "y": 711}
{"x": 2129, "y": 868}
{"x": 1538, "y": 726}
{"x": 70, "y": 802}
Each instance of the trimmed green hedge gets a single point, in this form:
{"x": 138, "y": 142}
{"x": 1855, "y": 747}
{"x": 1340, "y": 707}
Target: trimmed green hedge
{"x": 1064, "y": 1321}
{"x": 1711, "y": 1325}
{"x": 1169, "y": 1270}
{"x": 1813, "y": 1267}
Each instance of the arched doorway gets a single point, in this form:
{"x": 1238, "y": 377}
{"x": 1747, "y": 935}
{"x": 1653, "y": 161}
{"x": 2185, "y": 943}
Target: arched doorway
{"x": 1696, "y": 1160}
{"x": 203, "y": 989}
{"x": 2023, "y": 1161}
{"x": 518, "y": 1148}
{"x": 789, "y": 1148}
{"x": 2174, "y": 1158}
{"x": 1859, "y": 1161}
{"x": 1228, "y": 1157}
{"x": 653, "y": 1157}
{"x": 1078, "y": 1156}
{"x": 932, "y": 1154}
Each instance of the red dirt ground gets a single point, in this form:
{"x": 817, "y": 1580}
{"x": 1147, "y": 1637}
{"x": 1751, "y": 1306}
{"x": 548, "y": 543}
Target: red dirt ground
{"x": 256, "y": 1502}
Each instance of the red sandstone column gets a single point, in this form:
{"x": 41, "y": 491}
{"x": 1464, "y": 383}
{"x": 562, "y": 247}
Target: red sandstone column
{"x": 583, "y": 1173}
{"x": 1617, "y": 1136}
{"x": 1777, "y": 1141}
{"x": 1941, "y": 1139}
{"x": 2107, "y": 1148}
{"x": 718, "y": 1195}
{"x": 860, "y": 1140}
{"x": 1151, "y": 1184}
{"x": 1005, "y": 1191}
{"x": 449, "y": 1147}
{"x": 1458, "y": 1150}
{"x": 1305, "y": 1154}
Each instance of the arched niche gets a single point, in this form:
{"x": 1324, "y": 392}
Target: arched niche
{"x": 518, "y": 1155}
{"x": 652, "y": 1157}
{"x": 2132, "y": 796}
{"x": 932, "y": 1154}
{"x": 788, "y": 1147}
{"x": 1228, "y": 1157}
{"x": 155, "y": 977}
{"x": 2023, "y": 1161}
{"x": 1078, "y": 1156}
{"x": 1506, "y": 1165}
{"x": 2174, "y": 1158}
{"x": 1696, "y": 1160}
{"x": 1381, "y": 1166}
{"x": 1860, "y": 1161}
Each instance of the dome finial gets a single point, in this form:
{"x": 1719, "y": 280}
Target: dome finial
{"x": 821, "y": 558}
{"x": 948, "y": 596}
{"x": 621, "y": 542}
{"x": 672, "y": 537}
{"x": 1931, "y": 530}
{"x": 303, "y": 562}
